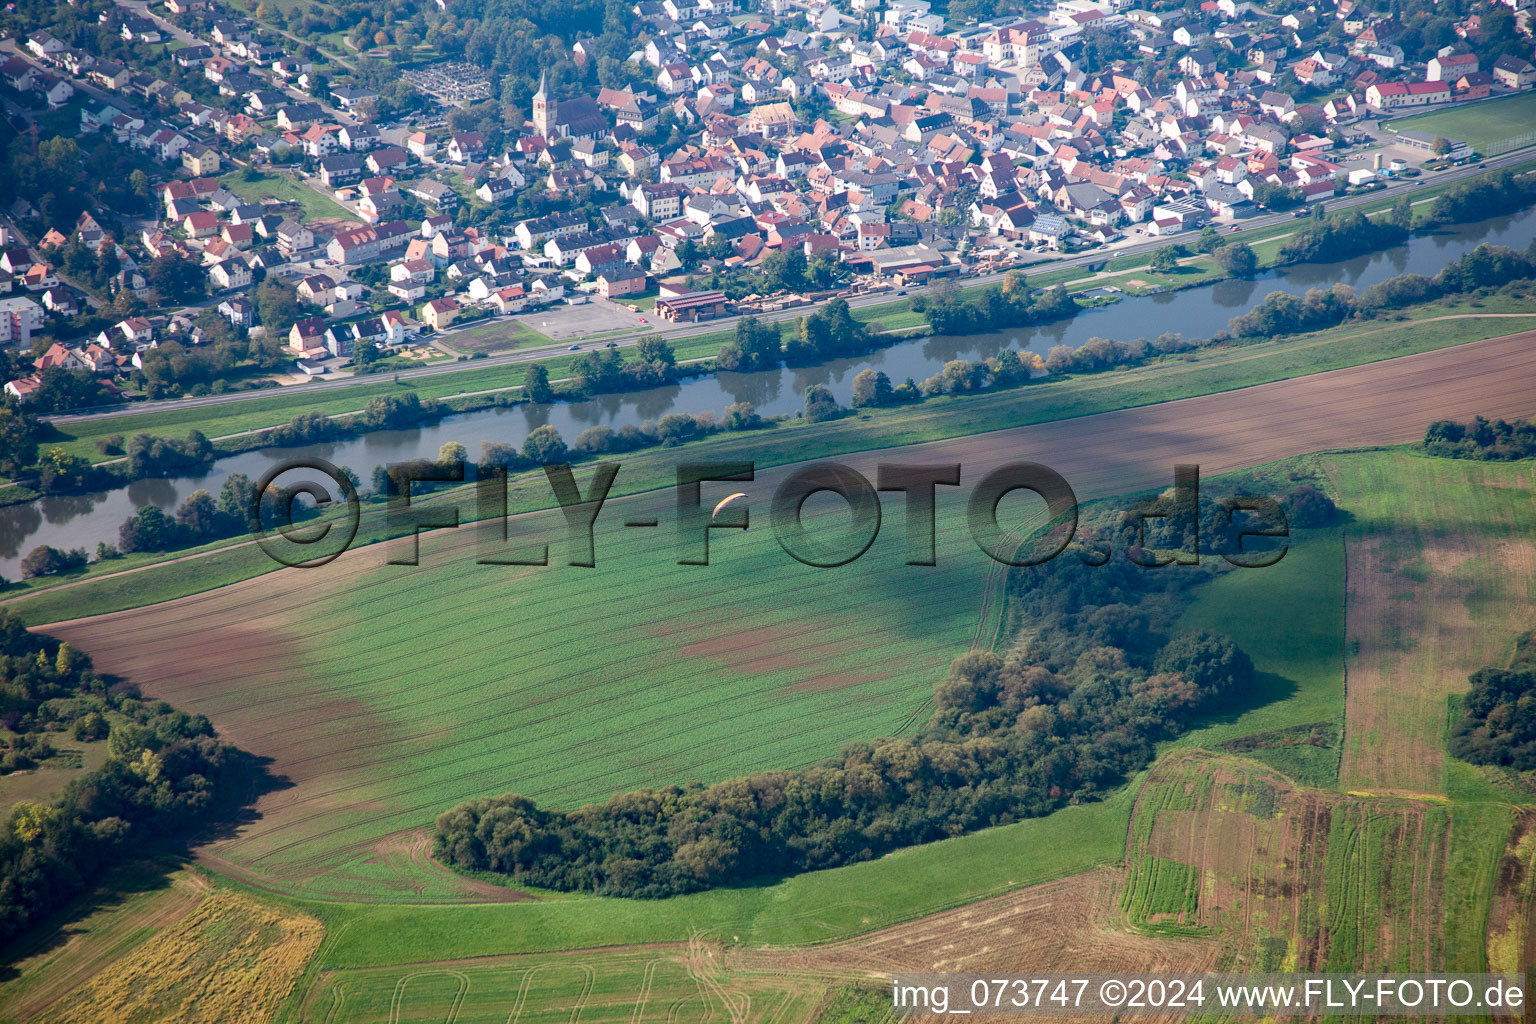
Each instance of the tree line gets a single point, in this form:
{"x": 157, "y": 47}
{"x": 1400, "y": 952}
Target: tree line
{"x": 166, "y": 777}
{"x": 1487, "y": 266}
{"x": 1490, "y": 441}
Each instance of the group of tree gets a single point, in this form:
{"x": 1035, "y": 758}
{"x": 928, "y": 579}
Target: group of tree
{"x": 149, "y": 455}
{"x": 1097, "y": 354}
{"x": 46, "y": 560}
{"x": 1273, "y": 196}
{"x": 313, "y": 427}
{"x": 829, "y": 333}
{"x": 19, "y": 434}
{"x": 59, "y": 471}
{"x": 995, "y": 307}
{"x": 1487, "y": 266}
{"x": 1498, "y": 714}
{"x": 60, "y": 390}
{"x": 1236, "y": 259}
{"x": 62, "y": 176}
{"x": 1104, "y": 680}
{"x": 199, "y": 519}
{"x": 165, "y": 777}
{"x": 94, "y": 268}
{"x": 397, "y": 412}
{"x": 1490, "y": 441}
{"x": 1487, "y": 195}
{"x": 788, "y": 270}
{"x": 1339, "y": 237}
{"x": 606, "y": 371}
{"x": 757, "y": 346}
{"x": 544, "y": 445}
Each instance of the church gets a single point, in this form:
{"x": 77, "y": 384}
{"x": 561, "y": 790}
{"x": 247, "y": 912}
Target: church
{"x": 570, "y": 119}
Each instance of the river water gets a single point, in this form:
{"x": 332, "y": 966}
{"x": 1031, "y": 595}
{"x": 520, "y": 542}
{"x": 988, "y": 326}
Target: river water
{"x": 83, "y": 520}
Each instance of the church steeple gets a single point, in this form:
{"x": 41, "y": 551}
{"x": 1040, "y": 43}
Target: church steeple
{"x": 541, "y": 106}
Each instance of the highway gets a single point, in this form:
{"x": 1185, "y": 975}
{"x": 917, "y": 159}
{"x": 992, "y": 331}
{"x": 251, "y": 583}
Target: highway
{"x": 672, "y": 332}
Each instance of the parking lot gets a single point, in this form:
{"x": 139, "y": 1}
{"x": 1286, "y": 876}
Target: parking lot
{"x": 598, "y": 316}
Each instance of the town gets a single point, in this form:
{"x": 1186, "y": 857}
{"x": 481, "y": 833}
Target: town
{"x": 251, "y": 211}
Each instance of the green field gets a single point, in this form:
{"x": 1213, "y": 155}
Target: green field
{"x": 1440, "y": 563}
{"x": 279, "y": 186}
{"x": 1299, "y": 680}
{"x": 1478, "y": 124}
{"x": 420, "y": 690}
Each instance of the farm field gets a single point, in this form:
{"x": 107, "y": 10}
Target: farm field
{"x": 254, "y": 950}
{"x": 1477, "y": 124}
{"x": 420, "y": 686}
{"x": 1040, "y": 403}
{"x": 1293, "y": 879}
{"x": 1058, "y": 926}
{"x": 1294, "y": 720}
{"x": 457, "y": 679}
{"x": 94, "y": 934}
{"x": 1442, "y": 577}
{"x": 1229, "y": 864}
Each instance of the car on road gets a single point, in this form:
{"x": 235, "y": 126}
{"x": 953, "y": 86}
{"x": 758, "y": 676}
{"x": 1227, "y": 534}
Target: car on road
{"x": 1232, "y": 228}
{"x": 612, "y": 344}
{"x": 574, "y": 348}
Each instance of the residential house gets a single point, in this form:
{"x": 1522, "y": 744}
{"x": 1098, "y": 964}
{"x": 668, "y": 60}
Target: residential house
{"x": 439, "y": 313}
{"x": 1514, "y": 72}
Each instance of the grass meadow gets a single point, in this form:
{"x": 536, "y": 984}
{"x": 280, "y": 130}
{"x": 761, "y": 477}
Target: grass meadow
{"x": 1478, "y": 124}
{"x": 1442, "y": 577}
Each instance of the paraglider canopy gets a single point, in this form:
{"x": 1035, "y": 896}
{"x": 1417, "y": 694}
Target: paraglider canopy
{"x": 726, "y": 501}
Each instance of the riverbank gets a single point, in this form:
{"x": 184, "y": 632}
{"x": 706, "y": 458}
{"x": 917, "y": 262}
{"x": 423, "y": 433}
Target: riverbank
{"x": 149, "y": 578}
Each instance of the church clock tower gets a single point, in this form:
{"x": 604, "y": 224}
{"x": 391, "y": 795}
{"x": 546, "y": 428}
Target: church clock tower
{"x": 541, "y": 106}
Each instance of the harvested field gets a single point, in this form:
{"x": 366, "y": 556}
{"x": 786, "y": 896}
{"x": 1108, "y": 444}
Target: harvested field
{"x": 1441, "y": 578}
{"x": 61, "y": 961}
{"x": 1290, "y": 879}
{"x": 420, "y": 686}
{"x": 229, "y": 959}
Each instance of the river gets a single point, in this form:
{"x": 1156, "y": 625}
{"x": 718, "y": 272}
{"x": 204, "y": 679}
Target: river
{"x": 83, "y": 520}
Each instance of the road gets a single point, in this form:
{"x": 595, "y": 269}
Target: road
{"x": 145, "y": 9}
{"x": 673, "y": 332}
